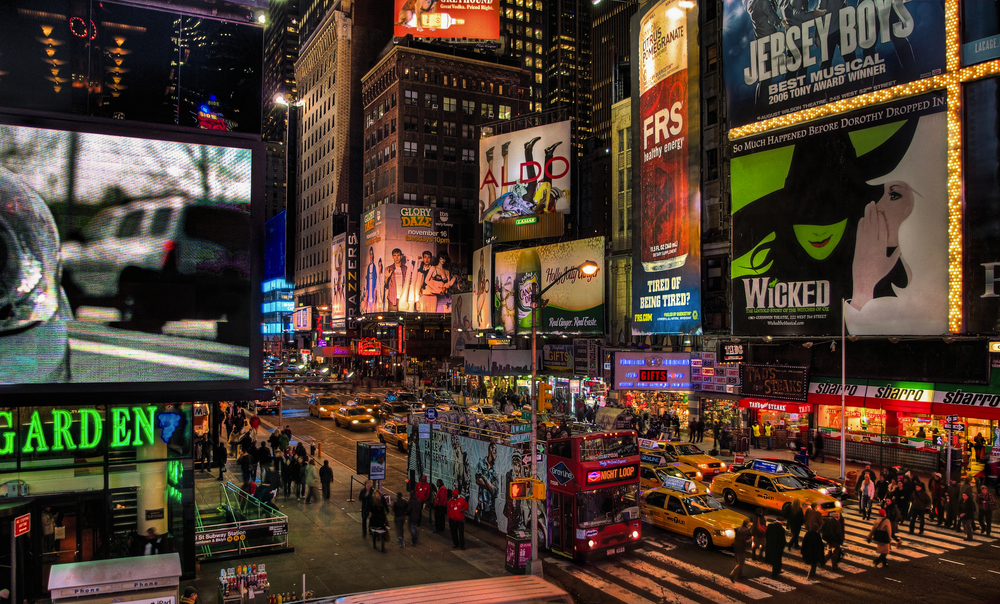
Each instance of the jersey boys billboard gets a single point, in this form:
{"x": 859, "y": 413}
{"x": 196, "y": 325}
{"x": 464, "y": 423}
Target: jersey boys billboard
{"x": 666, "y": 278}
{"x": 781, "y": 59}
{"x": 471, "y": 19}
{"x": 852, "y": 207}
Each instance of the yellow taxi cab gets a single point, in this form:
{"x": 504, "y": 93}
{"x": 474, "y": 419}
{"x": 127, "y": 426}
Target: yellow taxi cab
{"x": 354, "y": 417}
{"x": 769, "y": 485}
{"x": 323, "y": 406}
{"x": 650, "y": 452}
{"x": 393, "y": 434}
{"x": 690, "y": 454}
{"x": 679, "y": 507}
{"x": 370, "y": 403}
{"x": 652, "y": 475}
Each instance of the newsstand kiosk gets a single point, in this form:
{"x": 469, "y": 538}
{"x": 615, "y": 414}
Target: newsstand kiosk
{"x": 138, "y": 580}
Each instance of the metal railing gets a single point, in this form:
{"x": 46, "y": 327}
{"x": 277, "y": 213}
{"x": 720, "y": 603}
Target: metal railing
{"x": 247, "y": 525}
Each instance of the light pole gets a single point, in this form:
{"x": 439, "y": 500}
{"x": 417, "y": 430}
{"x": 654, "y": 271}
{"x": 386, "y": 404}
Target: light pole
{"x": 588, "y": 268}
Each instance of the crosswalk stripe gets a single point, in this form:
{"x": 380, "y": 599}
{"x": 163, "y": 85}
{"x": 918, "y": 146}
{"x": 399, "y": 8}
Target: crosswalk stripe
{"x": 925, "y": 545}
{"x": 931, "y": 529}
{"x": 612, "y": 589}
{"x": 696, "y": 588}
{"x": 744, "y": 590}
{"x": 902, "y": 556}
{"x": 787, "y": 575}
{"x": 772, "y": 584}
{"x": 645, "y": 583}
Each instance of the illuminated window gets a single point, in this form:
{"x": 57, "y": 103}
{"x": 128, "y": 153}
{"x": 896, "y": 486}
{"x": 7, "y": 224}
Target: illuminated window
{"x": 538, "y": 78}
{"x": 430, "y": 101}
{"x": 519, "y": 15}
{"x": 528, "y": 46}
{"x": 518, "y": 45}
{"x": 510, "y": 13}
{"x": 469, "y": 107}
{"x": 519, "y": 2}
{"x": 527, "y": 61}
{"x": 538, "y": 4}
{"x": 410, "y": 97}
{"x": 538, "y": 34}
{"x": 504, "y": 112}
{"x": 486, "y": 110}
{"x": 538, "y": 48}
{"x": 468, "y": 156}
{"x": 450, "y": 104}
{"x": 409, "y": 149}
{"x": 528, "y": 4}
{"x": 711, "y": 58}
{"x": 538, "y": 63}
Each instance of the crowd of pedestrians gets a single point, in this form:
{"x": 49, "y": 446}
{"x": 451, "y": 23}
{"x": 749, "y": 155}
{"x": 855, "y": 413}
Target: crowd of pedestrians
{"x": 407, "y": 512}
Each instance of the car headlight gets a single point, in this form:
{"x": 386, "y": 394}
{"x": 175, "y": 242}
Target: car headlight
{"x": 699, "y": 476}
{"x": 729, "y": 533}
{"x": 837, "y": 503}
{"x": 354, "y": 421}
{"x": 703, "y": 466}
{"x": 824, "y": 491}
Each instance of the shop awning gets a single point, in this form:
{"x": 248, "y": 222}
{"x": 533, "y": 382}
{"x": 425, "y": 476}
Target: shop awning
{"x": 980, "y": 402}
{"x": 826, "y": 391}
{"x": 775, "y": 405}
{"x": 911, "y": 397}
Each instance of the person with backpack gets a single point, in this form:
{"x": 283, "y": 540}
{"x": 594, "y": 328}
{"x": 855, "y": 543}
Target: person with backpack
{"x": 423, "y": 493}
{"x": 833, "y": 533}
{"x": 882, "y": 535}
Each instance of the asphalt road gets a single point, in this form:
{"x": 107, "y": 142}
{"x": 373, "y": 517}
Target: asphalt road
{"x": 936, "y": 567}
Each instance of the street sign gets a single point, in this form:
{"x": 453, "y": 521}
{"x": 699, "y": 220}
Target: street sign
{"x": 520, "y": 428}
{"x": 516, "y": 439}
{"x": 431, "y": 414}
{"x": 22, "y": 525}
{"x": 424, "y": 431}
{"x": 955, "y": 427}
{"x": 952, "y": 418}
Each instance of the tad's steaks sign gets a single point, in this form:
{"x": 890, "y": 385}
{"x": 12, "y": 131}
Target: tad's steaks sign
{"x": 784, "y": 382}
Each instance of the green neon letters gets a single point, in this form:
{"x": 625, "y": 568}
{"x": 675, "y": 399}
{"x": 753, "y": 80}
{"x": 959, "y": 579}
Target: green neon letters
{"x": 66, "y": 430}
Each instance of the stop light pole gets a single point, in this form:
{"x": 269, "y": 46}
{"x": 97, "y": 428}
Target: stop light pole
{"x": 588, "y": 268}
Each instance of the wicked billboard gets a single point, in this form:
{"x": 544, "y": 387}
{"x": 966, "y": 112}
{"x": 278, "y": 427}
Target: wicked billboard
{"x": 666, "y": 279}
{"x": 782, "y": 59}
{"x": 853, "y": 207}
{"x": 414, "y": 259}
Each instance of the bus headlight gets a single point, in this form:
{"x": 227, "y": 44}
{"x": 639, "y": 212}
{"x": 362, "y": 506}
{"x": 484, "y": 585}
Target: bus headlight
{"x": 635, "y": 534}
{"x": 590, "y": 543}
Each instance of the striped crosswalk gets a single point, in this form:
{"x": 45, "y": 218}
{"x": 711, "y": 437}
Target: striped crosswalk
{"x": 666, "y": 570}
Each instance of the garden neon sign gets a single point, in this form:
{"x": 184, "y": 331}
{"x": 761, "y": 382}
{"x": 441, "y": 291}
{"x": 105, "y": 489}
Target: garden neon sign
{"x": 128, "y": 427}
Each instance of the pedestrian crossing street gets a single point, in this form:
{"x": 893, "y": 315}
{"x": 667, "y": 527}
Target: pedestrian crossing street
{"x": 657, "y": 573}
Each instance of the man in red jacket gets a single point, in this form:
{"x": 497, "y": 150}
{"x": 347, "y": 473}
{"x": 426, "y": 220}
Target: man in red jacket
{"x": 423, "y": 493}
{"x": 456, "y": 519}
{"x": 440, "y": 506}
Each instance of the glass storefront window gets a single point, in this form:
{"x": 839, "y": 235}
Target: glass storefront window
{"x": 784, "y": 421}
{"x": 859, "y": 419}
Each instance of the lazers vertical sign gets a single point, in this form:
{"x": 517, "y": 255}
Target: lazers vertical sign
{"x": 352, "y": 286}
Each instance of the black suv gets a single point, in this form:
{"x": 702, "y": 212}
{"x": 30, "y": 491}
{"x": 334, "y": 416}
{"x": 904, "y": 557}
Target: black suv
{"x": 803, "y": 473}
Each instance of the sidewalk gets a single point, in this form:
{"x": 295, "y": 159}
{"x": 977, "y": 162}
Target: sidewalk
{"x": 330, "y": 551}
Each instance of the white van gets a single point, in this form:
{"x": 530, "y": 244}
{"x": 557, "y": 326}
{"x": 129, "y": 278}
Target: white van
{"x": 526, "y": 589}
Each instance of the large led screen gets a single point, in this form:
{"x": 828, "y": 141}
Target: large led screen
{"x": 780, "y": 58}
{"x": 525, "y": 173}
{"x": 127, "y": 260}
{"x": 980, "y": 31}
{"x": 575, "y": 302}
{"x": 414, "y": 259}
{"x": 469, "y": 19}
{"x": 338, "y": 264}
{"x": 666, "y": 276}
{"x": 853, "y": 207}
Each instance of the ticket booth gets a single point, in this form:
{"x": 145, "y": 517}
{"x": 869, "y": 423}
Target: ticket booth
{"x": 138, "y": 580}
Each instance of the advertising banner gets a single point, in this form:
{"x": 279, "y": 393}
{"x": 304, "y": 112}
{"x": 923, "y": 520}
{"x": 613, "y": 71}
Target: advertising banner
{"x": 338, "y": 263}
{"x": 785, "y": 382}
{"x": 852, "y": 207}
{"x": 525, "y": 173}
{"x": 274, "y": 248}
{"x": 981, "y": 237}
{"x": 785, "y": 58}
{"x": 580, "y": 356}
{"x": 477, "y": 362}
{"x": 666, "y": 277}
{"x": 575, "y": 302}
{"x": 980, "y": 32}
{"x": 557, "y": 357}
{"x": 462, "y": 333}
{"x": 482, "y": 288}
{"x": 414, "y": 258}
{"x": 510, "y": 362}
{"x": 466, "y": 19}
{"x": 652, "y": 371}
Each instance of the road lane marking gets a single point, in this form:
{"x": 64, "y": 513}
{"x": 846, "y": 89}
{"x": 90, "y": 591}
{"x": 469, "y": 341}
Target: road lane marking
{"x": 158, "y": 358}
{"x": 952, "y": 561}
{"x": 894, "y": 580}
{"x": 923, "y": 542}
{"x": 711, "y": 577}
{"x": 994, "y": 572}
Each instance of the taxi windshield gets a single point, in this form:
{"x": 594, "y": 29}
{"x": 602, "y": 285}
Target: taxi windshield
{"x": 687, "y": 450}
{"x": 357, "y": 411}
{"x": 798, "y": 471}
{"x": 669, "y": 472}
{"x": 701, "y": 504}
{"x": 788, "y": 483}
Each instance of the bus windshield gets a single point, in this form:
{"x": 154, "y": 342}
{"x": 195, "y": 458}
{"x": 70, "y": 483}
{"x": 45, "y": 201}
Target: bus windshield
{"x": 605, "y": 506}
{"x": 608, "y": 447}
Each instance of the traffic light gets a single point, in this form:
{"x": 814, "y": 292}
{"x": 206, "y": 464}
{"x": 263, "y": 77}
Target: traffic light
{"x": 521, "y": 489}
{"x": 538, "y": 490}
{"x": 544, "y": 397}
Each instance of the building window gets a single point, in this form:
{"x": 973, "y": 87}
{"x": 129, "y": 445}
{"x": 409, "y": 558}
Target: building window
{"x": 431, "y": 151}
{"x": 504, "y": 112}
{"x": 393, "y": 100}
{"x": 410, "y": 97}
{"x": 392, "y": 150}
{"x": 714, "y": 281}
{"x": 430, "y": 101}
{"x": 711, "y": 58}
{"x": 538, "y": 34}
{"x": 448, "y": 153}
{"x": 712, "y": 110}
{"x": 449, "y": 178}
{"x": 410, "y": 197}
{"x": 430, "y": 126}
{"x": 469, "y": 107}
{"x": 708, "y": 11}
{"x": 538, "y": 77}
{"x": 449, "y": 128}
{"x": 468, "y": 131}
{"x": 409, "y": 123}
{"x": 486, "y": 110}
{"x": 624, "y": 140}
{"x": 527, "y": 61}
{"x": 468, "y": 156}
{"x": 450, "y": 104}
{"x": 409, "y": 149}
{"x": 538, "y": 63}
{"x": 711, "y": 164}
{"x": 392, "y": 126}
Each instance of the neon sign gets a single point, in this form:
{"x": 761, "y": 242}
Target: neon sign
{"x": 62, "y": 430}
{"x": 369, "y": 347}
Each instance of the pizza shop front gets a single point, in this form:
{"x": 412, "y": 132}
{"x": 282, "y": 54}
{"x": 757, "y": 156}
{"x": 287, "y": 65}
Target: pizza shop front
{"x": 94, "y": 479}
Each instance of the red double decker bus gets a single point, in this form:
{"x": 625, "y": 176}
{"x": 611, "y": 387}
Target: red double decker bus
{"x": 593, "y": 486}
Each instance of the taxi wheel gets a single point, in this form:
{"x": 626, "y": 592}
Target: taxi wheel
{"x": 381, "y": 439}
{"x": 399, "y": 445}
{"x": 729, "y": 496}
{"x": 702, "y": 539}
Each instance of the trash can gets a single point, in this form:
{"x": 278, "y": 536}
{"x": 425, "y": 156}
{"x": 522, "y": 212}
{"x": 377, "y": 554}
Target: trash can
{"x": 851, "y": 485}
{"x": 518, "y": 553}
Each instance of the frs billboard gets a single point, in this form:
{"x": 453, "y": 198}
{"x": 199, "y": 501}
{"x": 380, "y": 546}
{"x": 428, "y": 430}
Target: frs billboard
{"x": 482, "y": 288}
{"x": 414, "y": 259}
{"x": 525, "y": 173}
{"x": 575, "y": 303}
{"x": 471, "y": 19}
{"x": 779, "y": 60}
{"x": 852, "y": 207}
{"x": 666, "y": 279}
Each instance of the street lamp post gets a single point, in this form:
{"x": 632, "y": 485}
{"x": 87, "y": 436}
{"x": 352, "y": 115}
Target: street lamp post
{"x": 588, "y": 269}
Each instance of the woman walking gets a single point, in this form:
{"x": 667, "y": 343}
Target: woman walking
{"x": 867, "y": 495}
{"x": 967, "y": 514}
{"x": 881, "y": 534}
{"x": 379, "y": 521}
{"x": 757, "y": 532}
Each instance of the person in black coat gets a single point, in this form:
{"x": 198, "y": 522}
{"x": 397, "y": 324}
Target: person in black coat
{"x": 379, "y": 521}
{"x": 414, "y": 508}
{"x": 774, "y": 547}
{"x": 365, "y": 497}
{"x": 220, "y": 457}
{"x": 795, "y": 517}
{"x": 813, "y": 551}
{"x": 833, "y": 532}
{"x": 325, "y": 478}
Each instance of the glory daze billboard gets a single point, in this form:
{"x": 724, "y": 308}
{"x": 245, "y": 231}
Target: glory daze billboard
{"x": 853, "y": 207}
{"x": 575, "y": 301}
{"x": 782, "y": 59}
{"x": 666, "y": 278}
{"x": 525, "y": 173}
{"x": 470, "y": 19}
